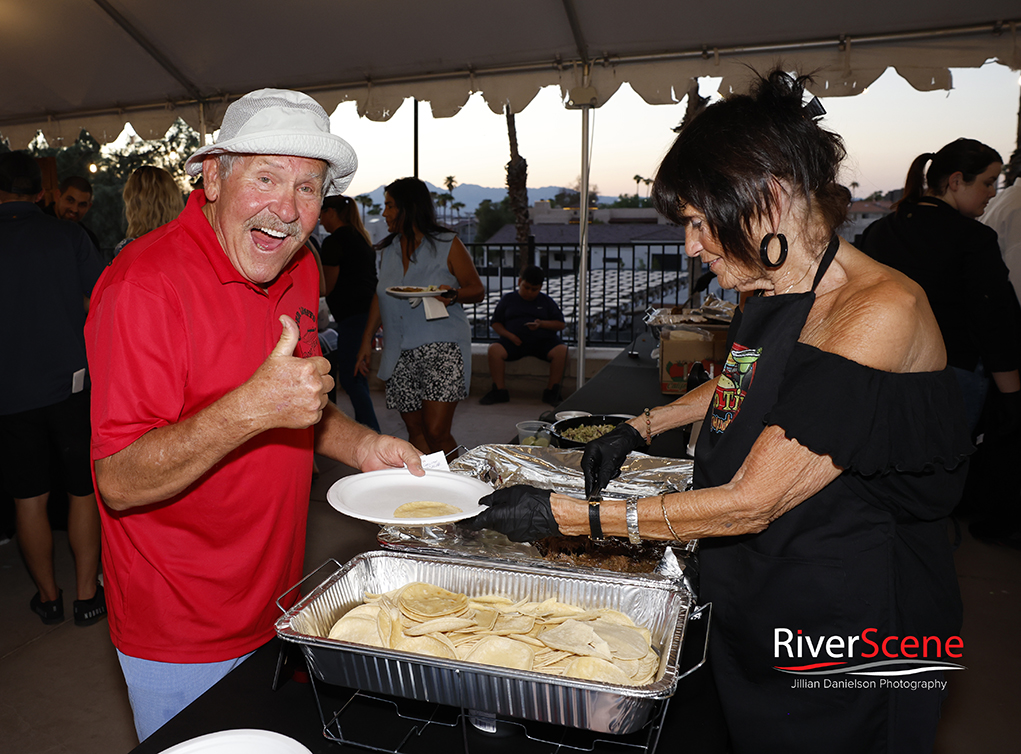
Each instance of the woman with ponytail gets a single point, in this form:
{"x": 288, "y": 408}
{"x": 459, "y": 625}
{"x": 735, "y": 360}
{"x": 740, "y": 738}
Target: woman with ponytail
{"x": 934, "y": 238}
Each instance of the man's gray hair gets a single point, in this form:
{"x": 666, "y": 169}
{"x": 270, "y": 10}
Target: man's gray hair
{"x": 227, "y": 162}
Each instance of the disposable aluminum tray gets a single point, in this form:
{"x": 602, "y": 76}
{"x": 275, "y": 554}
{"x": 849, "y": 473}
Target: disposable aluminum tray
{"x": 662, "y": 606}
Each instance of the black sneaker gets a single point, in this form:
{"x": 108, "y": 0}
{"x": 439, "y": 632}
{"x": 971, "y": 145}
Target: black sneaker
{"x": 552, "y": 395}
{"x": 495, "y": 395}
{"x": 50, "y": 612}
{"x": 87, "y": 612}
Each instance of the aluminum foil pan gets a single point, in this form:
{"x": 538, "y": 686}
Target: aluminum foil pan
{"x": 661, "y": 605}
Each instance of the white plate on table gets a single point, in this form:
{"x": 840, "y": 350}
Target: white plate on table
{"x": 375, "y": 495}
{"x": 418, "y": 292}
{"x": 240, "y": 741}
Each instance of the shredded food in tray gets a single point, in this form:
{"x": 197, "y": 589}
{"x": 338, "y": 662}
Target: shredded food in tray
{"x": 586, "y": 433}
{"x": 547, "y": 637}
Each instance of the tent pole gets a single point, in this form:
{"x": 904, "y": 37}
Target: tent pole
{"x": 583, "y": 245}
{"x": 415, "y": 173}
{"x": 202, "y": 124}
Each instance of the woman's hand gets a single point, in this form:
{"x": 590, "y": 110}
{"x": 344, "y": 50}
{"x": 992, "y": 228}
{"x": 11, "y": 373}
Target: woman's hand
{"x": 603, "y": 456}
{"x": 362, "y": 360}
{"x": 521, "y": 512}
{"x": 449, "y": 296}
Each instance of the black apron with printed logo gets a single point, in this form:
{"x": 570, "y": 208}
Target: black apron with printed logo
{"x": 823, "y": 569}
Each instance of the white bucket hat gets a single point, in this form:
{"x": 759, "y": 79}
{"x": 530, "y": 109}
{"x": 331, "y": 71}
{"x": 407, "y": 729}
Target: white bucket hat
{"x": 284, "y": 122}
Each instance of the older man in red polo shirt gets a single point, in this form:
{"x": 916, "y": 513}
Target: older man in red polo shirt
{"x": 209, "y": 397}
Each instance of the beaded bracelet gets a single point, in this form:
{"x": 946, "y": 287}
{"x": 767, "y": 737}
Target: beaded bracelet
{"x": 648, "y": 427}
{"x": 662, "y": 507}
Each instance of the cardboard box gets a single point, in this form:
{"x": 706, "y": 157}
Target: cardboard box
{"x": 686, "y": 345}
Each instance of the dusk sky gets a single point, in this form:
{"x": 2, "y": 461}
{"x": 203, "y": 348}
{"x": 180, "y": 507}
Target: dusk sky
{"x": 884, "y": 129}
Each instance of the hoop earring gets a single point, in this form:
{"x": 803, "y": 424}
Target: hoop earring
{"x": 764, "y": 250}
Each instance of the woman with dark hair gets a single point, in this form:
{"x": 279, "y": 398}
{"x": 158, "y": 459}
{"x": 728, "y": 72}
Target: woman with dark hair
{"x": 426, "y": 362}
{"x": 934, "y": 237}
{"x": 833, "y": 447}
{"x": 349, "y": 276}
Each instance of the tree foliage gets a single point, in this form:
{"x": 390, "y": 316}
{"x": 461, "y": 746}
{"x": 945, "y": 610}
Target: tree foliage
{"x": 491, "y": 217}
{"x": 112, "y": 168}
{"x": 627, "y": 201}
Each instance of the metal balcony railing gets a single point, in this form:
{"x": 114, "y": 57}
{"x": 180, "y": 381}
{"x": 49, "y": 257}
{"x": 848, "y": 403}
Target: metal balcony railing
{"x": 624, "y": 280}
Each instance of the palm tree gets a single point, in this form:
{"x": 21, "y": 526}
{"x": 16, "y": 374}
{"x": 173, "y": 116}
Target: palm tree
{"x": 517, "y": 188}
{"x": 647, "y": 182}
{"x": 854, "y": 188}
{"x": 450, "y": 182}
{"x": 441, "y": 201}
{"x": 457, "y": 207}
{"x": 366, "y": 201}
{"x": 638, "y": 182}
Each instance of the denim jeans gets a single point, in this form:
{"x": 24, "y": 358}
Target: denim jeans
{"x": 159, "y": 690}
{"x": 349, "y": 340}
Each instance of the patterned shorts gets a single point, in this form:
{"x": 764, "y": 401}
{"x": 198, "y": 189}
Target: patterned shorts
{"x": 433, "y": 372}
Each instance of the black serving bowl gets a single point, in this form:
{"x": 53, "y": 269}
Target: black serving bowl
{"x": 557, "y": 440}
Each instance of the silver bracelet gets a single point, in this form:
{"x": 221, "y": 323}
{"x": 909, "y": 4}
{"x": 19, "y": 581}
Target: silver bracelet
{"x": 631, "y": 516}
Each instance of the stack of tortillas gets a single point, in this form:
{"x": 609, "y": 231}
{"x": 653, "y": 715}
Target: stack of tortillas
{"x": 547, "y": 637}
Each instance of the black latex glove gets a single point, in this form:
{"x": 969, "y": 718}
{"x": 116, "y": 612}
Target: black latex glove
{"x": 521, "y": 512}
{"x": 603, "y": 456}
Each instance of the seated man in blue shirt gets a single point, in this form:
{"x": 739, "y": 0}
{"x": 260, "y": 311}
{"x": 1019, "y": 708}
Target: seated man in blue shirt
{"x": 528, "y": 322}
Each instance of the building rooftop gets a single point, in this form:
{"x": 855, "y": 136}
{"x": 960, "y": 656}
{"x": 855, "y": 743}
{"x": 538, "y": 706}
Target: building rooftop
{"x": 599, "y": 233}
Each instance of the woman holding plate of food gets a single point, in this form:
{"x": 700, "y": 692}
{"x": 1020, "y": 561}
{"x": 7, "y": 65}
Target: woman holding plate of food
{"x": 426, "y": 363}
{"x": 833, "y": 447}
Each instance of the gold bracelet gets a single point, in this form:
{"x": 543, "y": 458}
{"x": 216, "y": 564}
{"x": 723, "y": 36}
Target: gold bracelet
{"x": 648, "y": 427}
{"x": 662, "y": 507}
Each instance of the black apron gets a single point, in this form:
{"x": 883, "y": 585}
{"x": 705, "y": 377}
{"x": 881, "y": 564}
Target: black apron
{"x": 822, "y": 568}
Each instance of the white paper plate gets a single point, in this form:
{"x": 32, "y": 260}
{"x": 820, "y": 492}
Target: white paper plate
{"x": 375, "y": 495}
{"x": 241, "y": 741}
{"x": 412, "y": 294}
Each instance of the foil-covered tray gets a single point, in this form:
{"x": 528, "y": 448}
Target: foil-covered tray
{"x": 661, "y": 605}
{"x": 560, "y": 470}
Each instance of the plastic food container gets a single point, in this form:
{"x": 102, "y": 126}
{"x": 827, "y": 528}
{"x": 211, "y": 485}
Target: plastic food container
{"x": 533, "y": 433}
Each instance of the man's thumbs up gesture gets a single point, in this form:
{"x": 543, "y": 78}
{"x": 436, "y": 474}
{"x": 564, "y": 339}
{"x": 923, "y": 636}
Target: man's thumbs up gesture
{"x": 288, "y": 391}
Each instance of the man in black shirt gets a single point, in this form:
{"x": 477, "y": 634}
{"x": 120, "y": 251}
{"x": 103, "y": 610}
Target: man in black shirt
{"x": 73, "y": 203}
{"x": 529, "y": 324}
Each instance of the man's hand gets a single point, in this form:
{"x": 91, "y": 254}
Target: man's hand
{"x": 288, "y": 391}
{"x": 285, "y": 391}
{"x": 388, "y": 452}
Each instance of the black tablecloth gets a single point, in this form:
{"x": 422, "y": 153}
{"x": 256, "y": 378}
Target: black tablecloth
{"x": 628, "y": 385}
{"x": 245, "y": 698}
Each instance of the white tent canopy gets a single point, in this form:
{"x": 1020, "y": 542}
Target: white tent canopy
{"x": 96, "y": 64}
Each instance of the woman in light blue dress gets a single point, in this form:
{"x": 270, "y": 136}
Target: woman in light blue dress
{"x": 426, "y": 363}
